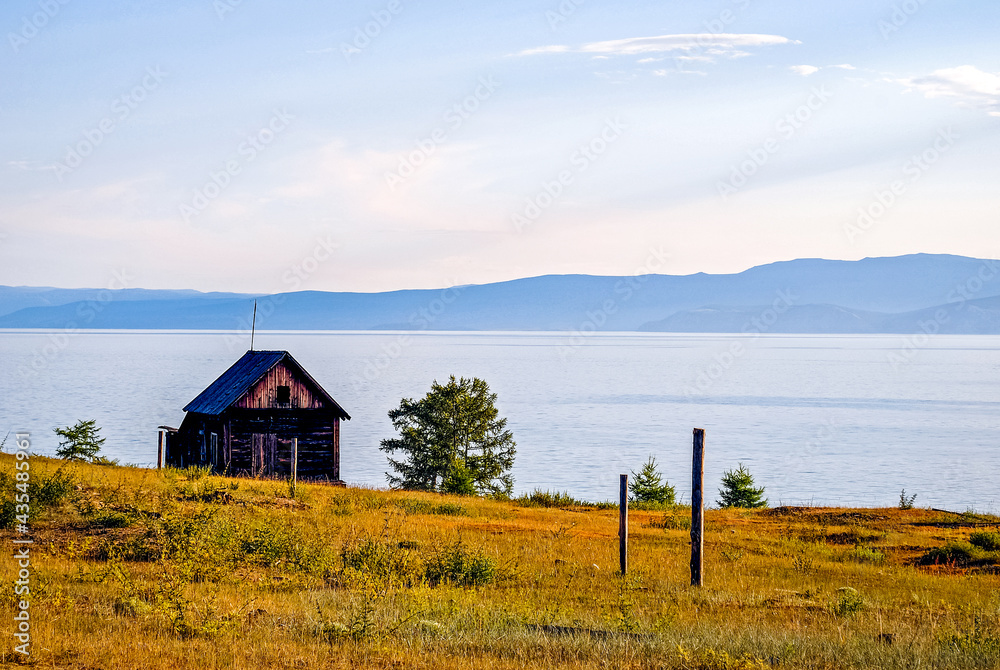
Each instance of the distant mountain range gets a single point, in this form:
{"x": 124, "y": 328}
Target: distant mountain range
{"x": 904, "y": 294}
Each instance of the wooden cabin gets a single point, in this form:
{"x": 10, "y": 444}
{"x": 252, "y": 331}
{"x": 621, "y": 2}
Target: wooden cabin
{"x": 245, "y": 421}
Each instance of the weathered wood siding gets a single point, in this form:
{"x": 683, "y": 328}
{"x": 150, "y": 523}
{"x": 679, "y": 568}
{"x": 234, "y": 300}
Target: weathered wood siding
{"x": 261, "y": 443}
{"x": 265, "y": 393}
{"x": 185, "y": 447}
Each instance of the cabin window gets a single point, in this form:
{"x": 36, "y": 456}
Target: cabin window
{"x": 201, "y": 439}
{"x": 284, "y": 395}
{"x": 214, "y": 447}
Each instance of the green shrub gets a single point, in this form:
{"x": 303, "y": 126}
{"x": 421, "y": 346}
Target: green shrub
{"x": 52, "y": 490}
{"x": 104, "y": 460}
{"x": 264, "y": 544}
{"x": 133, "y": 548}
{"x": 457, "y": 564}
{"x": 196, "y": 472}
{"x": 648, "y": 486}
{"x": 986, "y": 540}
{"x": 710, "y": 659}
{"x": 450, "y": 509}
{"x": 417, "y": 506}
{"x": 45, "y": 491}
{"x": 180, "y": 533}
{"x": 977, "y": 640}
{"x": 738, "y": 490}
{"x": 540, "y": 498}
{"x": 111, "y": 519}
{"x": 379, "y": 559}
{"x": 672, "y": 520}
{"x": 460, "y": 482}
{"x": 849, "y": 602}
{"x": 863, "y": 554}
{"x": 960, "y": 553}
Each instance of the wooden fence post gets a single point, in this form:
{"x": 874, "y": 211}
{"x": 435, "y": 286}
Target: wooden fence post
{"x": 295, "y": 465}
{"x": 698, "y": 508}
{"x": 623, "y": 524}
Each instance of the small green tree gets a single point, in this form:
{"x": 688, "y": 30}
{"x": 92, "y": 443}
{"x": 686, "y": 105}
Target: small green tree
{"x": 648, "y": 485}
{"x": 459, "y": 481}
{"x": 80, "y": 442}
{"x": 905, "y": 501}
{"x": 453, "y": 440}
{"x": 738, "y": 490}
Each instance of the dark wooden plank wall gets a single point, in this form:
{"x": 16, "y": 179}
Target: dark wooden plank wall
{"x": 263, "y": 395}
{"x": 336, "y": 449}
{"x": 185, "y": 446}
{"x": 318, "y": 434}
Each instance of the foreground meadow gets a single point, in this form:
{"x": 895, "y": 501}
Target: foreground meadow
{"x": 135, "y": 568}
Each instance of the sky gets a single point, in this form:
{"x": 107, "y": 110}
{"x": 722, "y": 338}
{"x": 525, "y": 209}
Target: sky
{"x": 253, "y": 146}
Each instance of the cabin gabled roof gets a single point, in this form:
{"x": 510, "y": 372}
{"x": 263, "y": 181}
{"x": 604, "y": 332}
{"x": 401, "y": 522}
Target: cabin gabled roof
{"x": 234, "y": 383}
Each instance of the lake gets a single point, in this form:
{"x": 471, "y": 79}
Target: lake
{"x": 823, "y": 420}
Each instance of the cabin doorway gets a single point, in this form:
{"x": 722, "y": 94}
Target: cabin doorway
{"x": 213, "y": 450}
{"x": 265, "y": 447}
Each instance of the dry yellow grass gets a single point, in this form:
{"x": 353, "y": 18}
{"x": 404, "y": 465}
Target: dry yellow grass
{"x": 139, "y": 569}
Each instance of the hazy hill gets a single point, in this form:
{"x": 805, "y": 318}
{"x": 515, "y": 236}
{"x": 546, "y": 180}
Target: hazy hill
{"x": 15, "y": 298}
{"x": 814, "y": 296}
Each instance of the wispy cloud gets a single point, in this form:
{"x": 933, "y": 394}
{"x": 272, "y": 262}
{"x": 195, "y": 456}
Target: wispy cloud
{"x": 804, "y": 70}
{"x": 554, "y": 49}
{"x": 972, "y": 87}
{"x": 705, "y": 45}
{"x": 667, "y": 73}
{"x": 29, "y": 166}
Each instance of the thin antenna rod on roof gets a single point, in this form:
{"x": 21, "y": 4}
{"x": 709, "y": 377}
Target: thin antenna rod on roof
{"x": 253, "y": 325}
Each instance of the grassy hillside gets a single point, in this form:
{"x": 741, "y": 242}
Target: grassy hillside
{"x": 141, "y": 569}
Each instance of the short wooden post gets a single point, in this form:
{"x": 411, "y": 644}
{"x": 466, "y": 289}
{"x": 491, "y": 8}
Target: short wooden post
{"x": 295, "y": 465}
{"x": 623, "y": 524}
{"x": 698, "y": 508}
{"x": 159, "y": 451}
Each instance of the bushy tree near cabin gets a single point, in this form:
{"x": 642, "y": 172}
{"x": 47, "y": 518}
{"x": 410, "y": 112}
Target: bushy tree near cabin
{"x": 452, "y": 440}
{"x": 738, "y": 490}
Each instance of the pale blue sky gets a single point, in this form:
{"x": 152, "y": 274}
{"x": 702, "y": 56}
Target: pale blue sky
{"x": 671, "y": 97}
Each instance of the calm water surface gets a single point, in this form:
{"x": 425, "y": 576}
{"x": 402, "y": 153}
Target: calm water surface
{"x": 818, "y": 419}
